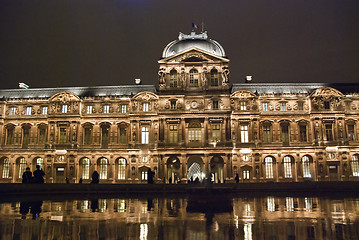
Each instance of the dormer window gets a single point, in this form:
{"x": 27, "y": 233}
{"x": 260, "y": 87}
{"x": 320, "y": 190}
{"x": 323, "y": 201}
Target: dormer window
{"x": 326, "y": 105}
{"x": 28, "y": 110}
{"x": 193, "y": 78}
{"x": 173, "y": 78}
{"x": 145, "y": 107}
{"x": 106, "y": 109}
{"x": 215, "y": 104}
{"x": 12, "y": 110}
{"x": 283, "y": 106}
{"x": 64, "y": 108}
{"x": 173, "y": 104}
{"x": 243, "y": 105}
{"x": 89, "y": 109}
{"x": 214, "y": 78}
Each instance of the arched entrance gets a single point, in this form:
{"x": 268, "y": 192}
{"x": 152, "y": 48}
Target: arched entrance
{"x": 217, "y": 165}
{"x": 195, "y": 168}
{"x": 173, "y": 169}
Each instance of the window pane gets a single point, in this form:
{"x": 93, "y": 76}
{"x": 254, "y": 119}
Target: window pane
{"x": 244, "y": 134}
{"x": 6, "y": 168}
{"x": 193, "y": 78}
{"x": 145, "y": 135}
{"x": 355, "y": 165}
{"x": 269, "y": 167}
{"x": 121, "y": 169}
{"x": 287, "y": 167}
{"x": 85, "y": 168}
{"x": 306, "y": 167}
{"x": 103, "y": 168}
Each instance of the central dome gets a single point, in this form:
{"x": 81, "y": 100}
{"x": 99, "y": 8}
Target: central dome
{"x": 194, "y": 40}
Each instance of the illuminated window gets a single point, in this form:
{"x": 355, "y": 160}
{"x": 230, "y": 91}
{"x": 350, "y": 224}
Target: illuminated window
{"x": 308, "y": 204}
{"x": 193, "y": 78}
{"x": 245, "y": 174}
{"x": 173, "y": 134}
{"x": 287, "y": 167}
{"x": 283, "y": 106}
{"x": 85, "y": 164}
{"x": 106, "y": 109}
{"x": 145, "y": 107}
{"x": 144, "y": 159}
{"x": 39, "y": 161}
{"x": 5, "y": 168}
{"x": 28, "y": 110}
{"x": 145, "y": 135}
{"x": 289, "y": 203}
{"x": 355, "y": 165}
{"x": 214, "y": 78}
{"x": 22, "y": 166}
{"x": 194, "y": 132}
{"x": 270, "y": 204}
{"x": 121, "y": 169}
{"x": 269, "y": 167}
{"x": 215, "y": 104}
{"x": 216, "y": 132}
{"x": 89, "y": 109}
{"x": 306, "y": 167}
{"x": 123, "y": 108}
{"x": 265, "y": 106}
{"x": 351, "y": 133}
{"x": 173, "y": 78}
{"x": 64, "y": 108}
{"x": 267, "y": 133}
{"x": 244, "y": 134}
{"x": 12, "y": 110}
{"x": 44, "y": 110}
{"x": 103, "y": 168}
{"x": 243, "y": 105}
{"x": 144, "y": 175}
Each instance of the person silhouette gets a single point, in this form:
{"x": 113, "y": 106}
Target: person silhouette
{"x": 237, "y": 178}
{"x": 80, "y": 181}
{"x": 95, "y": 177}
{"x": 150, "y": 175}
{"x": 27, "y": 176}
{"x": 38, "y": 175}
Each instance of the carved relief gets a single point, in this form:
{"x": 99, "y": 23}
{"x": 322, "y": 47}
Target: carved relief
{"x": 64, "y": 97}
{"x": 243, "y": 94}
{"x": 225, "y": 76}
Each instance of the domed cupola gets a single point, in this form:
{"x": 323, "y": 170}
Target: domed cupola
{"x": 193, "y": 40}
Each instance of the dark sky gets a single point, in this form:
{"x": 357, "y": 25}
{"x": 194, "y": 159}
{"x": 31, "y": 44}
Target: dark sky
{"x": 53, "y": 43}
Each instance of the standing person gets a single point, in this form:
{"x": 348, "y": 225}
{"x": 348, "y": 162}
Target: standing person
{"x": 27, "y": 176}
{"x": 95, "y": 177}
{"x": 237, "y": 178}
{"x": 39, "y": 175}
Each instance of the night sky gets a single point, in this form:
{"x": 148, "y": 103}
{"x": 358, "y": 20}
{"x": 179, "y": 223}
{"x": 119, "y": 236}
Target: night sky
{"x": 58, "y": 43}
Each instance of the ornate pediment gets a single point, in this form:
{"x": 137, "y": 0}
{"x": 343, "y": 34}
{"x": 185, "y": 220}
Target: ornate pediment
{"x": 243, "y": 94}
{"x": 193, "y": 55}
{"x": 64, "y": 97}
{"x": 326, "y": 93}
{"x": 145, "y": 96}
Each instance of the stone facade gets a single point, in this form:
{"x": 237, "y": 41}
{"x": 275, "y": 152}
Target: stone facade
{"x": 195, "y": 124}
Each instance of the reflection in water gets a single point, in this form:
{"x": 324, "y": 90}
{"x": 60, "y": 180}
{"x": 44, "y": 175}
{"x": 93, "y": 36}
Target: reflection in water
{"x": 196, "y": 217}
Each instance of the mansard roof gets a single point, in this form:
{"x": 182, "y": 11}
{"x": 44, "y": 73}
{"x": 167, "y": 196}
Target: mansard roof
{"x": 294, "y": 88}
{"x": 125, "y": 90}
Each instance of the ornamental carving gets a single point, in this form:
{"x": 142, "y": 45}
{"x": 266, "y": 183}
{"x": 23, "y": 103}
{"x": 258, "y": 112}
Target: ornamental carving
{"x": 243, "y": 94}
{"x": 64, "y": 97}
{"x": 326, "y": 93}
{"x": 145, "y": 96}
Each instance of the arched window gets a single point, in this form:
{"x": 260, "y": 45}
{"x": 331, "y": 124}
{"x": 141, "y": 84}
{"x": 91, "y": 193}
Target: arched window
{"x": 85, "y": 165}
{"x": 173, "y": 78}
{"x": 22, "y": 166}
{"x": 287, "y": 167}
{"x": 193, "y": 78}
{"x": 306, "y": 167}
{"x": 121, "y": 168}
{"x": 103, "y": 168}
{"x": 145, "y": 135}
{"x": 269, "y": 167}
{"x": 214, "y": 78}
{"x": 355, "y": 165}
{"x": 39, "y": 161}
{"x": 194, "y": 132}
{"x": 5, "y": 168}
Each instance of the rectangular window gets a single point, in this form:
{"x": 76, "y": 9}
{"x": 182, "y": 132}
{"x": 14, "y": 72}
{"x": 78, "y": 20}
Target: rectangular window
{"x": 216, "y": 132}
{"x": 123, "y": 108}
{"x": 287, "y": 167}
{"x": 6, "y": 168}
{"x": 215, "y": 104}
{"x": 89, "y": 109}
{"x": 270, "y": 204}
{"x": 269, "y": 167}
{"x": 88, "y": 135}
{"x": 351, "y": 133}
{"x": 355, "y": 165}
{"x": 106, "y": 109}
{"x": 28, "y": 110}
{"x": 329, "y": 132}
{"x": 285, "y": 134}
{"x": 326, "y": 105}
{"x": 63, "y": 134}
{"x": 289, "y": 204}
{"x": 9, "y": 136}
{"x": 144, "y": 175}
{"x": 42, "y": 135}
{"x": 25, "y": 137}
{"x": 145, "y": 136}
{"x": 44, "y": 110}
{"x": 123, "y": 135}
{"x": 265, "y": 106}
{"x": 173, "y": 134}
{"x": 266, "y": 134}
{"x": 64, "y": 108}
{"x": 283, "y": 106}
{"x": 105, "y": 136}
{"x": 145, "y": 107}
{"x": 243, "y": 105}
{"x": 302, "y": 133}
{"x": 173, "y": 104}
{"x": 244, "y": 134}
{"x": 245, "y": 174}
{"x": 300, "y": 106}
{"x": 12, "y": 110}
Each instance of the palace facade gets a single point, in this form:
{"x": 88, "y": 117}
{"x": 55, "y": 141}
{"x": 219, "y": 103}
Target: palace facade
{"x": 195, "y": 123}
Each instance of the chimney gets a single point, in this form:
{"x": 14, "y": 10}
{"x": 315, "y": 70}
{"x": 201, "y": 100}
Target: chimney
{"x": 138, "y": 81}
{"x": 248, "y": 79}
